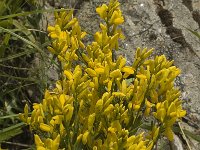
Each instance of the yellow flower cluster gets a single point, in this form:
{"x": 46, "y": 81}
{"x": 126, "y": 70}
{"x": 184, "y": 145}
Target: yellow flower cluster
{"x": 95, "y": 105}
{"x": 66, "y": 35}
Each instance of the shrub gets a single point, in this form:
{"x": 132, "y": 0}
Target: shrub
{"x": 100, "y": 102}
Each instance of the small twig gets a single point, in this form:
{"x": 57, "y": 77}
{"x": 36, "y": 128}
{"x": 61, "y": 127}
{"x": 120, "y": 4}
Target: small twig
{"x": 37, "y": 30}
{"x": 171, "y": 145}
{"x": 17, "y": 144}
{"x": 12, "y": 67}
{"x": 184, "y": 137}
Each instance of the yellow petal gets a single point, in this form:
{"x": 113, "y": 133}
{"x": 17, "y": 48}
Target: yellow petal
{"x": 109, "y": 109}
{"x": 147, "y": 111}
{"x": 69, "y": 113}
{"x": 116, "y": 74}
{"x": 56, "y": 142}
{"x": 41, "y": 148}
{"x": 85, "y": 57}
{"x": 68, "y": 74}
{"x": 99, "y": 105}
{"x": 45, "y": 127}
{"x": 58, "y": 119}
{"x": 91, "y": 72}
{"x": 172, "y": 108}
{"x": 181, "y": 113}
{"x": 38, "y": 141}
{"x": 161, "y": 113}
{"x": 114, "y": 41}
{"x": 71, "y": 23}
{"x": 169, "y": 133}
{"x": 83, "y": 34}
{"x": 114, "y": 16}
{"x": 118, "y": 21}
{"x": 120, "y": 94}
{"x": 98, "y": 37}
{"x": 155, "y": 134}
{"x": 96, "y": 83}
{"x": 62, "y": 99}
{"x": 128, "y": 69}
{"x": 141, "y": 76}
{"x": 50, "y": 29}
{"x": 91, "y": 120}
{"x": 57, "y": 29}
{"x": 85, "y": 137}
{"x": 102, "y": 11}
{"x": 79, "y": 138}
{"x": 26, "y": 111}
{"x": 136, "y": 107}
{"x": 99, "y": 70}
{"x": 53, "y": 35}
{"x": 124, "y": 87}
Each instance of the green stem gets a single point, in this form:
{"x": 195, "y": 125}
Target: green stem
{"x": 184, "y": 136}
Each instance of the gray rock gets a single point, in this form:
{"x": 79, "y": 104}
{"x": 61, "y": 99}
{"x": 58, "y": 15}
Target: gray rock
{"x": 177, "y": 143}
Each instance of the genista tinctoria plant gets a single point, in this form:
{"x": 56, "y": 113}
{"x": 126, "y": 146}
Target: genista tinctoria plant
{"x": 94, "y": 105}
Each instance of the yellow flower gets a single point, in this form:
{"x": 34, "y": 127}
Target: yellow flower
{"x": 99, "y": 70}
{"x": 68, "y": 111}
{"x": 160, "y": 115}
{"x": 136, "y": 107}
{"x": 141, "y": 76}
{"x": 154, "y": 133}
{"x": 127, "y": 71}
{"x": 91, "y": 120}
{"x": 55, "y": 143}
{"x": 117, "y": 18}
{"x": 68, "y": 74}
{"x": 99, "y": 106}
{"x": 85, "y": 137}
{"x": 38, "y": 141}
{"x": 45, "y": 127}
{"x": 102, "y": 11}
{"x": 91, "y": 72}
{"x": 54, "y": 32}
{"x": 148, "y": 107}
{"x": 116, "y": 74}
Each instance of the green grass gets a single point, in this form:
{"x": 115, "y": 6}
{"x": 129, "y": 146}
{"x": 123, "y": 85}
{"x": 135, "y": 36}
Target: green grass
{"x": 23, "y": 66}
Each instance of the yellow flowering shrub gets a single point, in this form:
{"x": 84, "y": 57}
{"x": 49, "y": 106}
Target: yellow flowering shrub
{"x": 100, "y": 102}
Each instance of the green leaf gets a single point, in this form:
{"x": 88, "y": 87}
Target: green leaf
{"x": 24, "y": 30}
{"x": 194, "y": 32}
{"x": 146, "y": 126}
{"x": 26, "y": 41}
{"x": 9, "y": 116}
{"x": 21, "y": 38}
{"x": 31, "y": 12}
{"x": 2, "y": 7}
{"x": 188, "y": 133}
{"x": 15, "y": 55}
{"x": 6, "y": 23}
{"x": 4, "y": 44}
{"x": 17, "y": 78}
{"x": 6, "y": 39}
{"x": 11, "y": 131}
{"x": 192, "y": 135}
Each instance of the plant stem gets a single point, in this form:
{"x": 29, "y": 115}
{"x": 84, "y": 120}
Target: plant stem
{"x": 185, "y": 138}
{"x": 17, "y": 144}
